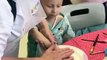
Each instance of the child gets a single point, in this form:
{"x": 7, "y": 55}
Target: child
{"x": 58, "y": 23}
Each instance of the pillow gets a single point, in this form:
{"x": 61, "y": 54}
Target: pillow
{"x": 89, "y": 1}
{"x": 84, "y": 14}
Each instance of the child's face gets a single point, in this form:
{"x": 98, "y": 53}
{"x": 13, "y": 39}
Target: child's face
{"x": 52, "y": 7}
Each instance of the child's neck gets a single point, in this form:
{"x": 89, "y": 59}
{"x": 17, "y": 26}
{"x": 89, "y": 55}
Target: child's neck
{"x": 54, "y": 20}
{"x": 51, "y": 20}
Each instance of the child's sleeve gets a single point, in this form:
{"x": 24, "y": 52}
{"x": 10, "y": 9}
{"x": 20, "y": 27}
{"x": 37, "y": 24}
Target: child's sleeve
{"x": 68, "y": 32}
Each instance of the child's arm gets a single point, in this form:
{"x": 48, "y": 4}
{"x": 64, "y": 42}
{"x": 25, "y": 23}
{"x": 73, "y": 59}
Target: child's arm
{"x": 40, "y": 38}
{"x": 44, "y": 29}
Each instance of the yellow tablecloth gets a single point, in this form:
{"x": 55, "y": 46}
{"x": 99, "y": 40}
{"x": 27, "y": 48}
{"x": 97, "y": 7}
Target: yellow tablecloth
{"x": 23, "y": 46}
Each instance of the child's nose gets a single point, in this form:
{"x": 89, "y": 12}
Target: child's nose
{"x": 54, "y": 9}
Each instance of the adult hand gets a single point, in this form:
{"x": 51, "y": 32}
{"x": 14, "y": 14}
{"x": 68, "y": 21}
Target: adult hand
{"x": 55, "y": 53}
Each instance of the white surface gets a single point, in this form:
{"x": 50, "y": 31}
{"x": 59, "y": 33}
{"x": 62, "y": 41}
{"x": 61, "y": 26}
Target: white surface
{"x": 78, "y": 54}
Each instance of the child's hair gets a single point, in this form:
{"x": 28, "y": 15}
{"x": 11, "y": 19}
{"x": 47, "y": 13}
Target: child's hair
{"x": 66, "y": 2}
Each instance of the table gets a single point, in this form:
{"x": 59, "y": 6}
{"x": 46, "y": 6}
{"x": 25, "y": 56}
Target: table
{"x": 86, "y": 45}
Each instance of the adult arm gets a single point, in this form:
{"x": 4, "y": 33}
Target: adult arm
{"x": 52, "y": 53}
{"x": 6, "y": 23}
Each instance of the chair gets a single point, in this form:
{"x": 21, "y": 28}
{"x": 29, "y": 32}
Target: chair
{"x": 84, "y": 14}
{"x": 105, "y": 5}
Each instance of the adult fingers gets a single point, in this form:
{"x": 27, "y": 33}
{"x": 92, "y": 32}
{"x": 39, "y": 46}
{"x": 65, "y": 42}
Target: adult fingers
{"x": 53, "y": 42}
{"x": 66, "y": 53}
{"x": 71, "y": 58}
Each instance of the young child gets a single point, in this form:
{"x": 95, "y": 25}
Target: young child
{"x": 58, "y": 24}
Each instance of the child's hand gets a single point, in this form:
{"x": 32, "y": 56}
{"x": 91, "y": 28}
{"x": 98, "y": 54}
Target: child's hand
{"x": 52, "y": 40}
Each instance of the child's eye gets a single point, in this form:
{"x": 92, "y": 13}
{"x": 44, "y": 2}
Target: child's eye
{"x": 59, "y": 6}
{"x": 50, "y": 6}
